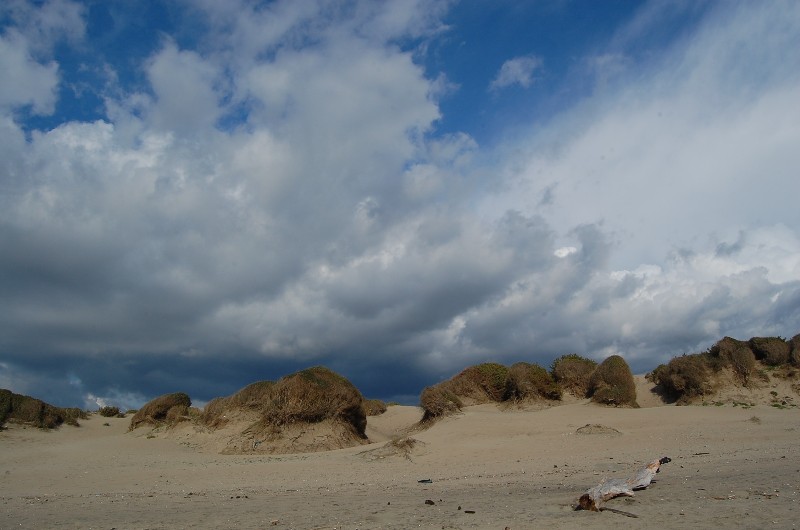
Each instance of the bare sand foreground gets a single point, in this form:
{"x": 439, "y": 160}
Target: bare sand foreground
{"x": 731, "y": 467}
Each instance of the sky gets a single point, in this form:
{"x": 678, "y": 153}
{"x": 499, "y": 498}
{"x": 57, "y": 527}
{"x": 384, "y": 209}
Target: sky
{"x": 196, "y": 195}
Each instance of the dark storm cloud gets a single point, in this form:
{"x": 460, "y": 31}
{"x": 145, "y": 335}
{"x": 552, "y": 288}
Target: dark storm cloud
{"x": 279, "y": 197}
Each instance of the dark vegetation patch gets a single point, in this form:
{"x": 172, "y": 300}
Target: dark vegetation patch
{"x": 687, "y": 378}
{"x": 27, "y": 410}
{"x": 110, "y": 412}
{"x": 684, "y": 378}
{"x": 772, "y": 351}
{"x": 794, "y": 355}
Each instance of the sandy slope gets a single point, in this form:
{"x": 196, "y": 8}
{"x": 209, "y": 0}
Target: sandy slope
{"x": 731, "y": 467}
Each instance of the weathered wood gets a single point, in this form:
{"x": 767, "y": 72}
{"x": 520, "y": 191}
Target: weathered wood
{"x": 595, "y": 497}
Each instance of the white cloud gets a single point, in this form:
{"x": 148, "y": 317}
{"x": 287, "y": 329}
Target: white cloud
{"x": 44, "y": 24}
{"x": 34, "y": 83}
{"x": 516, "y": 71}
{"x": 184, "y": 86}
{"x": 124, "y": 400}
{"x": 683, "y": 154}
{"x": 331, "y": 221}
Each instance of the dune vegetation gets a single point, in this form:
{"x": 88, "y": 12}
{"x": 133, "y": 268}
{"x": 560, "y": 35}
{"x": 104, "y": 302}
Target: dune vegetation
{"x": 689, "y": 378}
{"x": 168, "y": 409}
{"x": 27, "y": 410}
{"x": 525, "y": 382}
{"x": 318, "y": 409}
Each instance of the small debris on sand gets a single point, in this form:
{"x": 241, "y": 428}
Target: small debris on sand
{"x": 596, "y": 429}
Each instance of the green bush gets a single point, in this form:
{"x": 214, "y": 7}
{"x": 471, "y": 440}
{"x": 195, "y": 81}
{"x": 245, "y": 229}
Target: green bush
{"x": 612, "y": 383}
{"x": 482, "y": 383}
{"x": 572, "y": 372}
{"x": 530, "y": 381}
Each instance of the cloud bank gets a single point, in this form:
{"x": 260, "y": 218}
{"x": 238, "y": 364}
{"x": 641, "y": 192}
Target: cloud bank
{"x": 278, "y": 196}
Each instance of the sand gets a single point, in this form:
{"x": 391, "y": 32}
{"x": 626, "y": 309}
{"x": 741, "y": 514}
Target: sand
{"x": 486, "y": 468}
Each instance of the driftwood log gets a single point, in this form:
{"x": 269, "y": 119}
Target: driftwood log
{"x": 595, "y": 497}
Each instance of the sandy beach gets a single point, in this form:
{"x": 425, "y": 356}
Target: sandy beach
{"x": 484, "y": 468}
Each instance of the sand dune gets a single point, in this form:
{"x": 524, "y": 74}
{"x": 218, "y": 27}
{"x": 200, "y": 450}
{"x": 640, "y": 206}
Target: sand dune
{"x": 483, "y": 468}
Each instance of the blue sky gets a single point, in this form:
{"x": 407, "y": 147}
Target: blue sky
{"x": 196, "y": 195}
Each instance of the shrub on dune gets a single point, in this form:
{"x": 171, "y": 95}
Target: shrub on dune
{"x": 163, "y": 410}
{"x": 314, "y": 395}
{"x": 612, "y": 383}
{"x": 374, "y": 407}
{"x": 109, "y": 412}
{"x": 683, "y": 378}
{"x": 437, "y": 401}
{"x": 254, "y": 396}
{"x": 32, "y": 411}
{"x": 482, "y": 383}
{"x": 572, "y": 372}
{"x": 736, "y": 354}
{"x": 527, "y": 381}
{"x": 794, "y": 356}
{"x": 280, "y": 413}
{"x": 772, "y": 351}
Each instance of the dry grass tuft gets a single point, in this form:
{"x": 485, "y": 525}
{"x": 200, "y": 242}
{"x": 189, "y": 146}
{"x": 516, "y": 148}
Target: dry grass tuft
{"x": 527, "y": 381}
{"x": 572, "y": 372}
{"x": 255, "y": 396}
{"x": 374, "y": 407}
{"x": 488, "y": 383}
{"x": 315, "y": 397}
{"x": 482, "y": 383}
{"x": 437, "y": 401}
{"x": 168, "y": 410}
{"x": 612, "y": 383}
{"x": 25, "y": 409}
{"x": 596, "y": 429}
